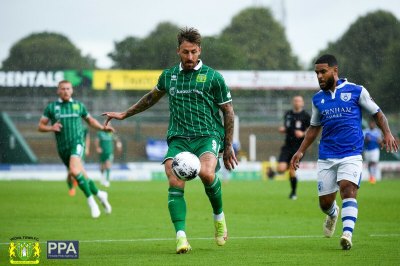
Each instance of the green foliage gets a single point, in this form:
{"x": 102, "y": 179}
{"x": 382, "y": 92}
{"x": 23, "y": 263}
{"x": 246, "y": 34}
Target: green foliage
{"x": 46, "y": 51}
{"x": 156, "y": 51}
{"x": 365, "y": 54}
{"x": 261, "y": 40}
{"x": 253, "y": 41}
{"x": 262, "y": 223}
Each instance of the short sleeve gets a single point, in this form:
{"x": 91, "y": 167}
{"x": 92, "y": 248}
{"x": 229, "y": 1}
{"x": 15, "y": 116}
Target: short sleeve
{"x": 367, "y": 103}
{"x": 221, "y": 91}
{"x": 315, "y": 116}
{"x": 47, "y": 112}
{"x": 84, "y": 111}
{"x": 161, "y": 84}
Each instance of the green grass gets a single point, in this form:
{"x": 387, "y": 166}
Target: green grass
{"x": 265, "y": 227}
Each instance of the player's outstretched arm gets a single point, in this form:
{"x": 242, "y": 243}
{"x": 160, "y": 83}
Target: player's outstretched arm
{"x": 148, "y": 100}
{"x": 310, "y": 136}
{"x": 96, "y": 125}
{"x": 388, "y": 140}
{"x": 229, "y": 156}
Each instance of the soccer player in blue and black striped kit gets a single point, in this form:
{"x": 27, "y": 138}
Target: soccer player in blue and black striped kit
{"x": 336, "y": 109}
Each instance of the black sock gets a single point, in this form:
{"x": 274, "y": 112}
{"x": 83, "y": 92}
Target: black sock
{"x": 293, "y": 185}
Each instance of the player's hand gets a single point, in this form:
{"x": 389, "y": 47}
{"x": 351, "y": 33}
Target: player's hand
{"x": 229, "y": 157}
{"x": 390, "y": 142}
{"x": 113, "y": 115}
{"x": 299, "y": 133}
{"x": 57, "y": 126}
{"x": 282, "y": 130}
{"x": 108, "y": 128}
{"x": 295, "y": 161}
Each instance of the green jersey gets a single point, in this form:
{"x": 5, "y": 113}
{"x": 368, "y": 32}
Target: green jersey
{"x": 106, "y": 141}
{"x": 194, "y": 100}
{"x": 70, "y": 115}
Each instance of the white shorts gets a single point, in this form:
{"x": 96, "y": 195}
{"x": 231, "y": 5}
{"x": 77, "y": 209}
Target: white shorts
{"x": 372, "y": 155}
{"x": 331, "y": 171}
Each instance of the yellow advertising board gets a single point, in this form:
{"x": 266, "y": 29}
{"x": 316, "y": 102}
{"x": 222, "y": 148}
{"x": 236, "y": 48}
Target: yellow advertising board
{"x": 125, "y": 79}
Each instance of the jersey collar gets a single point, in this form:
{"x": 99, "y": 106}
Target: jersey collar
{"x": 61, "y": 101}
{"x": 197, "y": 67}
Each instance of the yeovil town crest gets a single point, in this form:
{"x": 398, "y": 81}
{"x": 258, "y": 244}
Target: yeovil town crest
{"x": 24, "y": 250}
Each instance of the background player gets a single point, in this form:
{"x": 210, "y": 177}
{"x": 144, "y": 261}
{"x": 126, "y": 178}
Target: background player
{"x": 71, "y": 181}
{"x": 336, "y": 109}
{"x": 65, "y": 116}
{"x": 196, "y": 94}
{"x": 105, "y": 148}
{"x": 372, "y": 143}
{"x": 296, "y": 122}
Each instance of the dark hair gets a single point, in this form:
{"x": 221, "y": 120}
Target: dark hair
{"x": 327, "y": 59}
{"x": 191, "y": 35}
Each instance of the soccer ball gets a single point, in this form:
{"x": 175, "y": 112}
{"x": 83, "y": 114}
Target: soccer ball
{"x": 186, "y": 166}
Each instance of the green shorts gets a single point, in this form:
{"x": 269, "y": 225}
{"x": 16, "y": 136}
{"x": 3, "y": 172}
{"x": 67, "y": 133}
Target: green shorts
{"x": 75, "y": 150}
{"x": 106, "y": 156}
{"x": 197, "y": 146}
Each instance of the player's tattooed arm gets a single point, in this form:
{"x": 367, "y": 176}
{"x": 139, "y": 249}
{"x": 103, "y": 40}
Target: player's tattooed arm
{"x": 229, "y": 117}
{"x": 148, "y": 100}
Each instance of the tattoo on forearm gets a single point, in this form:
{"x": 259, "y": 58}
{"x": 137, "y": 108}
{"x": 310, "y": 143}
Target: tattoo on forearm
{"x": 145, "y": 102}
{"x": 229, "y": 118}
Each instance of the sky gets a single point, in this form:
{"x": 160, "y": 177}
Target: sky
{"x": 95, "y": 25}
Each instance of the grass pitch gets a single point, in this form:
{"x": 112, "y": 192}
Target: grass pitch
{"x": 265, "y": 227}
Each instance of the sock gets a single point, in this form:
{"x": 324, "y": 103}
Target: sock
{"x": 349, "y": 214}
{"x": 92, "y": 187}
{"x": 332, "y": 210}
{"x": 180, "y": 233}
{"x": 177, "y": 208}
{"x": 108, "y": 174}
{"x": 373, "y": 170}
{"x": 214, "y": 194}
{"x": 293, "y": 184}
{"x": 219, "y": 217}
{"x": 83, "y": 185}
{"x": 70, "y": 184}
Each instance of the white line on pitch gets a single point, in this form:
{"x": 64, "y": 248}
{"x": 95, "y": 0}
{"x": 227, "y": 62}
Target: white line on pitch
{"x": 211, "y": 238}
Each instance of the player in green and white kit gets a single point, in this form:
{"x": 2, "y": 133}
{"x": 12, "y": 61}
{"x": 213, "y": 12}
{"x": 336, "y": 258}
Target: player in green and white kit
{"x": 71, "y": 182}
{"x": 105, "y": 148}
{"x": 65, "y": 116}
{"x": 196, "y": 93}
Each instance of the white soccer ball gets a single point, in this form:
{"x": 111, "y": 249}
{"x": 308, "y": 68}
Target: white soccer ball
{"x": 186, "y": 166}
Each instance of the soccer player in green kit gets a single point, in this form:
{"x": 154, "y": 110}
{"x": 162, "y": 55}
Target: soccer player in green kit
{"x": 196, "y": 93}
{"x": 105, "y": 148}
{"x": 65, "y": 116}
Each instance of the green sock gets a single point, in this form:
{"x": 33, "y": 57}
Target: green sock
{"x": 108, "y": 174}
{"x": 177, "y": 207}
{"x": 70, "y": 184}
{"x": 214, "y": 194}
{"x": 92, "y": 187}
{"x": 83, "y": 185}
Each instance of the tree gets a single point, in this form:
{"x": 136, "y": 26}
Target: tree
{"x": 261, "y": 40}
{"x": 156, "y": 51}
{"x": 221, "y": 55}
{"x": 385, "y": 86}
{"x": 368, "y": 54}
{"x": 46, "y": 51}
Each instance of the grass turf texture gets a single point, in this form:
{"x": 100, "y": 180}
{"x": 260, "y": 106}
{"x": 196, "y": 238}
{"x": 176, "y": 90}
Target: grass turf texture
{"x": 265, "y": 227}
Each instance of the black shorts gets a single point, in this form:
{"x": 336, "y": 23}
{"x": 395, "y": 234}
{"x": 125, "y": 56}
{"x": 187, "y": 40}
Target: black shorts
{"x": 287, "y": 154}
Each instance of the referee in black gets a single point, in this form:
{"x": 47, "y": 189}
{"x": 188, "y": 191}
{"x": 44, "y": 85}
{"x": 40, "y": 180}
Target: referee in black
{"x": 296, "y": 122}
